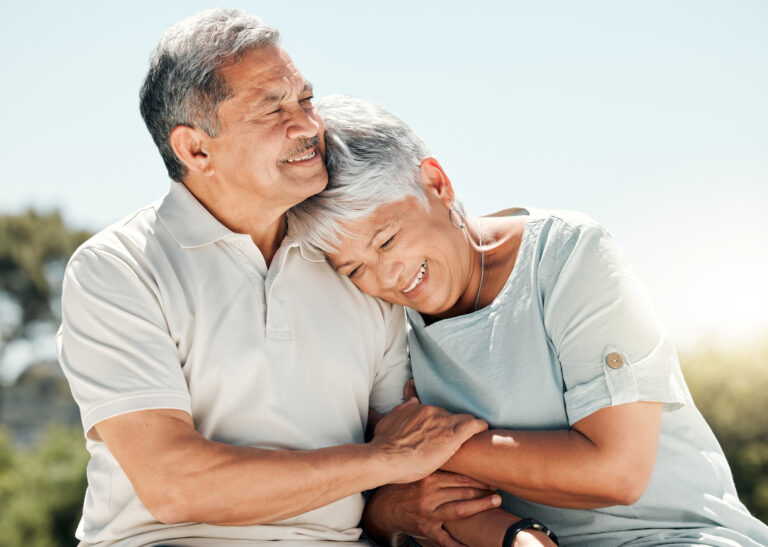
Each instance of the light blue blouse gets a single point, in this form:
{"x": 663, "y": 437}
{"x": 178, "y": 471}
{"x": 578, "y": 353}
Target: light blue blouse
{"x": 571, "y": 332}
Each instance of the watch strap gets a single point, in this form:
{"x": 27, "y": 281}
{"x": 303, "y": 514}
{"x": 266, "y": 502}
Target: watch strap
{"x": 524, "y": 524}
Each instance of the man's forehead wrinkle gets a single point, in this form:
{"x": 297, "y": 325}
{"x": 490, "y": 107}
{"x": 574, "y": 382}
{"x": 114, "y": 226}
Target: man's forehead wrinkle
{"x": 275, "y": 88}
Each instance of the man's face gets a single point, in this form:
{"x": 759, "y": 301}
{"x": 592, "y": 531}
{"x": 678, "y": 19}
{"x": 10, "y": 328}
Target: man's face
{"x": 270, "y": 145}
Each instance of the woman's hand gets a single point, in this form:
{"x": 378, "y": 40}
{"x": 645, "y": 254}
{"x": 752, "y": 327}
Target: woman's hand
{"x": 420, "y": 508}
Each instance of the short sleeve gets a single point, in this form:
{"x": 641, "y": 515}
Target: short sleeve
{"x": 611, "y": 347}
{"x": 394, "y": 368}
{"x": 113, "y": 344}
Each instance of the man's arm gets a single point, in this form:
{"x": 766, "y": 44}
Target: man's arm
{"x": 487, "y": 529}
{"x": 182, "y": 477}
{"x": 445, "y": 508}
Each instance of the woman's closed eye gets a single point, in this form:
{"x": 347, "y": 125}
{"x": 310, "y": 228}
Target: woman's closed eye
{"x": 388, "y": 242}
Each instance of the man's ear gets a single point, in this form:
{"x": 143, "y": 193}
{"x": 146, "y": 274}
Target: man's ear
{"x": 434, "y": 180}
{"x": 191, "y": 147}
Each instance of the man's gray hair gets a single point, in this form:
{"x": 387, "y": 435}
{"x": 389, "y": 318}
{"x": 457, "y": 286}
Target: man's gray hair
{"x": 183, "y": 86}
{"x": 373, "y": 159}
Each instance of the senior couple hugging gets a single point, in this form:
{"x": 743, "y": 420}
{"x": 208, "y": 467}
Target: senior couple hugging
{"x": 229, "y": 344}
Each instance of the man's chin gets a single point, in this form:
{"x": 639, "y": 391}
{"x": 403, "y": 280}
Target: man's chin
{"x": 313, "y": 186}
{"x": 318, "y": 184}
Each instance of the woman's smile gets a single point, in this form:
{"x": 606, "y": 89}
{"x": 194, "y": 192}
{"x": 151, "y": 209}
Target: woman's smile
{"x": 417, "y": 281}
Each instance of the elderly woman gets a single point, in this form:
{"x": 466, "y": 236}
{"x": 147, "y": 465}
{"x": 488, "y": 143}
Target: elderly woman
{"x": 533, "y": 321}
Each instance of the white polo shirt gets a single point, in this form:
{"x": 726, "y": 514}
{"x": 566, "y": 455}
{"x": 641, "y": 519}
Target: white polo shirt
{"x": 170, "y": 309}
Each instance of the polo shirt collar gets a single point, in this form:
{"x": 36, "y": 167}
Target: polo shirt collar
{"x": 307, "y": 251}
{"x": 190, "y": 224}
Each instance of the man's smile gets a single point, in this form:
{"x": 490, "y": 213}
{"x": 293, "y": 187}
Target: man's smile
{"x": 305, "y": 157}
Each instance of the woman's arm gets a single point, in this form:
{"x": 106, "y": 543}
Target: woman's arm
{"x": 593, "y": 306}
{"x": 606, "y": 459}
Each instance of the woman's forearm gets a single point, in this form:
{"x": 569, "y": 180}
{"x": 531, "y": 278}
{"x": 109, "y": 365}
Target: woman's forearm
{"x": 607, "y": 461}
{"x": 553, "y": 467}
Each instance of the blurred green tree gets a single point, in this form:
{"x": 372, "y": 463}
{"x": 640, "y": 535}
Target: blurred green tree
{"x": 34, "y": 249}
{"x": 42, "y": 489}
{"x": 729, "y": 387}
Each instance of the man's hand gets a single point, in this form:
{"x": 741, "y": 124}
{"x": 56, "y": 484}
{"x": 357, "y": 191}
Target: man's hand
{"x": 374, "y": 417}
{"x": 420, "y": 508}
{"x": 419, "y": 438}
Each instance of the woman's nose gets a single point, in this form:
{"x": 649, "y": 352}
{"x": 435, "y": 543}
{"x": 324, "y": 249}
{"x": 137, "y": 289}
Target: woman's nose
{"x": 390, "y": 273}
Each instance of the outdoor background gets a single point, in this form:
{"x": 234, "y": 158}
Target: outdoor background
{"x": 651, "y": 116}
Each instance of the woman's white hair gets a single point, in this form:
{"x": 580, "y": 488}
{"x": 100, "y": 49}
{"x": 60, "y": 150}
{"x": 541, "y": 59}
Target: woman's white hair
{"x": 373, "y": 159}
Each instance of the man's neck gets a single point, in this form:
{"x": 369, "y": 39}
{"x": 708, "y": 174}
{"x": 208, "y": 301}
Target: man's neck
{"x": 245, "y": 215}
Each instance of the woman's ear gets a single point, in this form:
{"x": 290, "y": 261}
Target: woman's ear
{"x": 191, "y": 147}
{"x": 435, "y": 181}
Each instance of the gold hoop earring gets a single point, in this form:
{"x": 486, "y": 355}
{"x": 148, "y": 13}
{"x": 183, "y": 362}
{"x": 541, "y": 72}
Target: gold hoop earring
{"x": 452, "y": 214}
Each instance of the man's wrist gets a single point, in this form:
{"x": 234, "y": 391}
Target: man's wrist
{"x": 384, "y": 463}
{"x": 375, "y": 521}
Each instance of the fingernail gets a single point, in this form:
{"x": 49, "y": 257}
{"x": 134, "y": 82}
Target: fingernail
{"x": 496, "y": 500}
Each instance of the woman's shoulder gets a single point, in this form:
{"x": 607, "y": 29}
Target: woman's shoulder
{"x": 565, "y": 219}
{"x": 556, "y": 227}
{"x": 554, "y": 238}
{"x": 568, "y": 219}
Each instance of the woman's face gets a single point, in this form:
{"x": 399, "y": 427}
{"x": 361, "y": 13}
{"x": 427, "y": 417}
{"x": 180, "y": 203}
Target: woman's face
{"x": 407, "y": 255}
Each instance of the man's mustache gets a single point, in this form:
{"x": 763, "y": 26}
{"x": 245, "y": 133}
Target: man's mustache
{"x": 303, "y": 145}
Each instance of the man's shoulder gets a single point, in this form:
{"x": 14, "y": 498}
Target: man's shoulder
{"x": 129, "y": 239}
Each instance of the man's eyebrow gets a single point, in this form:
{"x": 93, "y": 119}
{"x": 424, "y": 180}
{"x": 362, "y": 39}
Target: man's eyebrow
{"x": 271, "y": 98}
{"x": 274, "y": 98}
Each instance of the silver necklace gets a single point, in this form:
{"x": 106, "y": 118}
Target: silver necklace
{"x": 482, "y": 268}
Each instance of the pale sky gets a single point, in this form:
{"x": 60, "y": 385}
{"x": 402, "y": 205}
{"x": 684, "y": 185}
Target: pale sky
{"x": 651, "y": 116}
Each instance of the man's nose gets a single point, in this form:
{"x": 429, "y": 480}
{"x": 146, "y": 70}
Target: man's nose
{"x": 302, "y": 124}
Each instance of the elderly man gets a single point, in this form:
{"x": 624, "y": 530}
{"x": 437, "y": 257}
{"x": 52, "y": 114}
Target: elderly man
{"x": 224, "y": 373}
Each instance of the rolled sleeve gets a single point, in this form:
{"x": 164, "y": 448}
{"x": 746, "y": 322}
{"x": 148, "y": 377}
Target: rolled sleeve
{"x": 113, "y": 344}
{"x": 611, "y": 347}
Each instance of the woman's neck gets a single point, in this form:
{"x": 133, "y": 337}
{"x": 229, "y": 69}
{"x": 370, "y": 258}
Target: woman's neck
{"x": 494, "y": 244}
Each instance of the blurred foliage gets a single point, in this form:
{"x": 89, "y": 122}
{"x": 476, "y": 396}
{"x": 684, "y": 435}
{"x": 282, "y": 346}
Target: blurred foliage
{"x": 729, "y": 388}
{"x": 34, "y": 248}
{"x": 42, "y": 489}
{"x": 30, "y": 244}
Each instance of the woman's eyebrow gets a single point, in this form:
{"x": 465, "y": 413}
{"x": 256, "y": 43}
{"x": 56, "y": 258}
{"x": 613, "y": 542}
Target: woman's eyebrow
{"x": 370, "y": 244}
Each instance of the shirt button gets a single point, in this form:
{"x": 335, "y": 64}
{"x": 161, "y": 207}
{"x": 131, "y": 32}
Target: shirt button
{"x": 614, "y": 360}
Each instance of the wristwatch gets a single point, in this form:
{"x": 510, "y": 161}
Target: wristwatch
{"x": 524, "y": 524}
